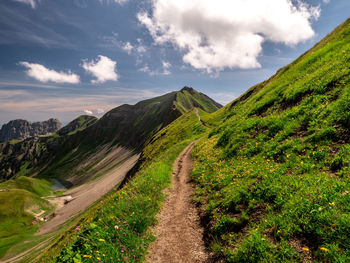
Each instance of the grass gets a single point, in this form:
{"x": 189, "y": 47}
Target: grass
{"x": 118, "y": 228}
{"x": 19, "y": 199}
{"x": 273, "y": 175}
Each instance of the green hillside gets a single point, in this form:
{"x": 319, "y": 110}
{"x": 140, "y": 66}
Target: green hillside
{"x": 21, "y": 203}
{"x": 271, "y": 173}
{"x": 132, "y": 209}
{"x": 129, "y": 126}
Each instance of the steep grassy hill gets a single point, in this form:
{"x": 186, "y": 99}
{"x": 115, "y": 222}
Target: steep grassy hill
{"x": 78, "y": 124}
{"x": 271, "y": 175}
{"x": 129, "y": 126}
{"x": 117, "y": 227}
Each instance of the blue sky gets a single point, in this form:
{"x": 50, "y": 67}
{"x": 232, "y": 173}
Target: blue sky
{"x": 63, "y": 58}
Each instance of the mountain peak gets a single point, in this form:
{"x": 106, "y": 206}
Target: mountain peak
{"x": 21, "y": 129}
{"x": 186, "y": 88}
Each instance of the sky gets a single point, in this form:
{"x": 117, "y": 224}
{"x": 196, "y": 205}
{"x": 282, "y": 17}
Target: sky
{"x": 61, "y": 59}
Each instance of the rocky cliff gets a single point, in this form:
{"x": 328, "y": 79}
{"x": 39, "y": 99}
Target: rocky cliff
{"x": 22, "y": 129}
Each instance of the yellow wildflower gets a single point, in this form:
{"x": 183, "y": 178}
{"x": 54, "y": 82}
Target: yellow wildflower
{"x": 305, "y": 249}
{"x": 101, "y": 240}
{"x": 324, "y": 249}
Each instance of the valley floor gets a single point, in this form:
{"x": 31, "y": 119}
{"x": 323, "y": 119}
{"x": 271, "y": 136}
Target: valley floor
{"x": 75, "y": 201}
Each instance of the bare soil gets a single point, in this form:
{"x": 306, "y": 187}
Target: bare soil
{"x": 179, "y": 233}
{"x": 84, "y": 195}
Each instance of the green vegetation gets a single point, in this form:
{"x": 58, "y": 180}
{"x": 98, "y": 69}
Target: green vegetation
{"x": 273, "y": 176}
{"x": 117, "y": 228}
{"x": 20, "y": 201}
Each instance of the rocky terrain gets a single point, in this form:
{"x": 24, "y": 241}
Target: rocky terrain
{"x": 22, "y": 129}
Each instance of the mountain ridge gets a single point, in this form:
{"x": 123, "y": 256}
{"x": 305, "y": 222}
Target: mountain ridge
{"x": 22, "y": 129}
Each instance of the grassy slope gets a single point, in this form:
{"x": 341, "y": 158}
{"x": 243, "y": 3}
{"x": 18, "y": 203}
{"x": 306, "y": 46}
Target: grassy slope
{"x": 273, "y": 176}
{"x": 117, "y": 228}
{"x": 22, "y": 196}
{"x": 131, "y": 126}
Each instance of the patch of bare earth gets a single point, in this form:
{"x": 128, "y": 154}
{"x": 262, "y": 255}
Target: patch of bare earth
{"x": 79, "y": 198}
{"x": 179, "y": 232}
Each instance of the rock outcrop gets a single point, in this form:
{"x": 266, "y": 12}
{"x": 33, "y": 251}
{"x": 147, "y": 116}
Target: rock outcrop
{"x": 22, "y": 129}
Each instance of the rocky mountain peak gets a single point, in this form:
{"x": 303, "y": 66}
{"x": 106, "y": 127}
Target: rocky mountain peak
{"x": 22, "y": 129}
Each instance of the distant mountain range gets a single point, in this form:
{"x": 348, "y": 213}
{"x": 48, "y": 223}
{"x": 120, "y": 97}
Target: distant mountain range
{"x": 22, "y": 129}
{"x": 69, "y": 150}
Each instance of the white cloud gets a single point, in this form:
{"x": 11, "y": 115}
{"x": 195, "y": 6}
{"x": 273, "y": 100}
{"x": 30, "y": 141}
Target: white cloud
{"x": 43, "y": 74}
{"x": 100, "y": 111}
{"x": 127, "y": 47}
{"x": 166, "y": 67}
{"x": 103, "y": 69}
{"x": 32, "y": 3}
{"x": 146, "y": 69}
{"x": 215, "y": 35}
{"x": 164, "y": 71}
{"x": 121, "y": 1}
{"x": 326, "y": 1}
{"x": 88, "y": 112}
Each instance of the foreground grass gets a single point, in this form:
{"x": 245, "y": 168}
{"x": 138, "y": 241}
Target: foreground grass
{"x": 273, "y": 175}
{"x": 117, "y": 230}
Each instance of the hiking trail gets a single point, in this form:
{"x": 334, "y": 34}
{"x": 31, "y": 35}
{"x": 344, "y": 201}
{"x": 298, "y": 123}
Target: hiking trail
{"x": 179, "y": 233}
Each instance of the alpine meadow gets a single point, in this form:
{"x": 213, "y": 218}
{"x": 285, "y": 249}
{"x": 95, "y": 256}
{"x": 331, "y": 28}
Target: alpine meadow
{"x": 177, "y": 176}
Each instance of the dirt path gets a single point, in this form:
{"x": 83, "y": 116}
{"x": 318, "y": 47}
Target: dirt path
{"x": 200, "y": 120}
{"x": 179, "y": 234}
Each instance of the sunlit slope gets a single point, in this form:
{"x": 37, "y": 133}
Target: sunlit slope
{"x": 118, "y": 226}
{"x": 128, "y": 126}
{"x": 273, "y": 175}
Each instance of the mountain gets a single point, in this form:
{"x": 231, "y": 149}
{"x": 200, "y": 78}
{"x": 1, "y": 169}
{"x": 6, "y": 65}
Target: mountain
{"x": 22, "y": 129}
{"x": 77, "y": 124}
{"x": 134, "y": 125}
{"x": 80, "y": 146}
{"x": 271, "y": 172}
{"x": 22, "y": 157}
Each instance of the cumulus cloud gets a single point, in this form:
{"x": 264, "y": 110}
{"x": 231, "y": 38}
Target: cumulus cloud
{"x": 32, "y": 3}
{"x": 43, "y": 74}
{"x": 103, "y": 69}
{"x": 88, "y": 112}
{"x": 214, "y": 35}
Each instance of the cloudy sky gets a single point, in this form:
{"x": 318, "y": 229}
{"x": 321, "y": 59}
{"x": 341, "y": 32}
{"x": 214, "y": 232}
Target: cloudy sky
{"x": 69, "y": 57}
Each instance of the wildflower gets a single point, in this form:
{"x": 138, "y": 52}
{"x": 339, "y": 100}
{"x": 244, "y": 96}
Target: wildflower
{"x": 87, "y": 256}
{"x": 77, "y": 228}
{"x": 332, "y": 204}
{"x": 278, "y": 231}
{"x": 101, "y": 240}
{"x": 305, "y": 249}
{"x": 324, "y": 249}
{"x": 116, "y": 227}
